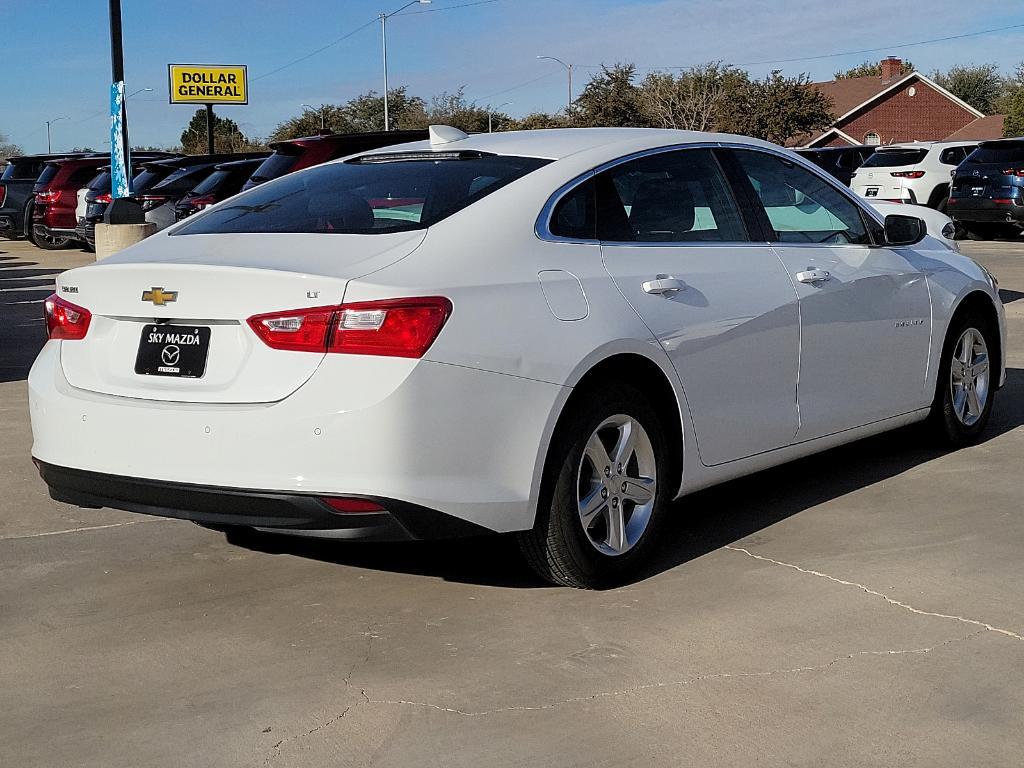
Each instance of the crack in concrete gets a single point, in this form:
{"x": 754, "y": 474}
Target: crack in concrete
{"x": 15, "y": 536}
{"x": 673, "y": 683}
{"x": 275, "y": 751}
{"x": 891, "y": 601}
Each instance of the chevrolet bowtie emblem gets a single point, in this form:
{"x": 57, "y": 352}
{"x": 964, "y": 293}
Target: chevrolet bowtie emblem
{"x": 159, "y": 296}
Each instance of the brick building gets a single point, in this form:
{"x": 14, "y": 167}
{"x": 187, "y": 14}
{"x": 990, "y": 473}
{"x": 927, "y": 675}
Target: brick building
{"x": 890, "y": 109}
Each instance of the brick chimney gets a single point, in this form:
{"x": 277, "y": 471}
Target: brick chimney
{"x": 892, "y": 68}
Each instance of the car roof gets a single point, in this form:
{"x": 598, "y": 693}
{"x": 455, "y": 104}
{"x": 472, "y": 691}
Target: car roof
{"x": 560, "y": 143}
{"x": 234, "y": 165}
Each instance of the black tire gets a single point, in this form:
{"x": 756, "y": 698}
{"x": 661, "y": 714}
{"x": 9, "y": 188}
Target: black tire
{"x": 943, "y": 421}
{"x": 48, "y": 243}
{"x": 993, "y": 231}
{"x": 558, "y": 548}
{"x": 943, "y": 206}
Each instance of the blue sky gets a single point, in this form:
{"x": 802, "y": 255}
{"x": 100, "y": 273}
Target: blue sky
{"x": 57, "y": 61}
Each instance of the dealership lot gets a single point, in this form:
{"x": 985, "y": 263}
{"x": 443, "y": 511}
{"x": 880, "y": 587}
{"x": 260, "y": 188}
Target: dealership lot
{"x": 862, "y": 607}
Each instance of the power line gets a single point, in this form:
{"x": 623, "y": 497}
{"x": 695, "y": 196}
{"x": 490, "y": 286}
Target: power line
{"x": 517, "y": 87}
{"x": 447, "y": 8}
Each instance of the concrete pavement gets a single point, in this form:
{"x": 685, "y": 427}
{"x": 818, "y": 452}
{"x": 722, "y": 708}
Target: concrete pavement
{"x": 859, "y": 608}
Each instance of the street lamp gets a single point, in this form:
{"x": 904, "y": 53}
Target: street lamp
{"x": 568, "y": 67}
{"x": 48, "y": 123}
{"x": 314, "y": 109}
{"x": 136, "y": 93}
{"x": 490, "y": 114}
{"x": 384, "y": 42}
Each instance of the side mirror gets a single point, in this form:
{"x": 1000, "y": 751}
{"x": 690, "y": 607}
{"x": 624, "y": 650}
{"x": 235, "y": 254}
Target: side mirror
{"x": 904, "y": 230}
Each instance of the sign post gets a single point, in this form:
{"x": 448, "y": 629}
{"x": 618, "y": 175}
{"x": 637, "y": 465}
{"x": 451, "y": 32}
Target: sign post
{"x": 119, "y": 147}
{"x": 208, "y": 85}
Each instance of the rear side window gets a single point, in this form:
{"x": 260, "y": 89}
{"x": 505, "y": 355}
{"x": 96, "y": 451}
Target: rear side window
{"x": 81, "y": 177}
{"x": 211, "y": 182}
{"x": 891, "y": 158}
{"x": 1004, "y": 153}
{"x": 670, "y": 197}
{"x": 802, "y": 207}
{"x": 47, "y": 174}
{"x": 954, "y": 155}
{"x": 372, "y": 195}
{"x": 575, "y": 217}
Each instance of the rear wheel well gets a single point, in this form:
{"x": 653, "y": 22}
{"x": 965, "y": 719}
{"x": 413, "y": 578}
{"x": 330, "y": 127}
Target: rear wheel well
{"x": 980, "y": 303}
{"x": 641, "y": 373}
{"x": 940, "y": 193}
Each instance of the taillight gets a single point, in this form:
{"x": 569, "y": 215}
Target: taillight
{"x": 65, "y": 320}
{"x": 149, "y": 202}
{"x": 104, "y": 198}
{"x": 48, "y": 196}
{"x": 203, "y": 201}
{"x": 348, "y": 505}
{"x": 907, "y": 174}
{"x": 3, "y": 194}
{"x": 392, "y": 328}
{"x": 1013, "y": 172}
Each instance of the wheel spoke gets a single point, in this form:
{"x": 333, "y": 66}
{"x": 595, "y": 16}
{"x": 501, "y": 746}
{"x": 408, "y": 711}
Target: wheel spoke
{"x": 616, "y": 528}
{"x": 595, "y": 451}
{"x": 957, "y": 369}
{"x": 591, "y": 505}
{"x": 625, "y": 445}
{"x": 639, "y": 490}
{"x": 980, "y": 367}
{"x": 967, "y": 350}
{"x": 973, "y": 403}
{"x": 959, "y": 401}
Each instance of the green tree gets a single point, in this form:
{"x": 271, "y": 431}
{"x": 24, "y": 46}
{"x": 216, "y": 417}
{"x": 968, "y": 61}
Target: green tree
{"x": 535, "y": 121}
{"x": 333, "y": 118}
{"x": 778, "y": 108}
{"x": 1013, "y": 106}
{"x": 871, "y": 69}
{"x": 611, "y": 99}
{"x": 696, "y": 99}
{"x": 453, "y": 109}
{"x": 226, "y": 135}
{"x": 980, "y": 85}
{"x": 366, "y": 111}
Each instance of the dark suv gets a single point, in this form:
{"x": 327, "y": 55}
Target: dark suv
{"x": 987, "y": 194}
{"x": 840, "y": 162}
{"x": 16, "y": 193}
{"x": 226, "y": 180}
{"x": 296, "y": 154}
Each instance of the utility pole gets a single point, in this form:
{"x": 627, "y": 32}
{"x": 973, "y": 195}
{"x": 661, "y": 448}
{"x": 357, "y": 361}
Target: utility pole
{"x": 384, "y": 47}
{"x": 119, "y": 144}
{"x": 209, "y": 130}
{"x": 490, "y": 114}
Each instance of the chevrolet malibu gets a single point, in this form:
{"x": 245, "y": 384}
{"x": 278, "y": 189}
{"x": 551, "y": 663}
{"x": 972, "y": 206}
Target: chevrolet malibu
{"x": 553, "y": 333}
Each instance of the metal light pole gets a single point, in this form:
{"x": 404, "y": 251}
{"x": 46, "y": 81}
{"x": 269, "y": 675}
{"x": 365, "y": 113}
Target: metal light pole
{"x": 568, "y": 67}
{"x": 314, "y": 109}
{"x": 48, "y": 123}
{"x": 136, "y": 93}
{"x": 490, "y": 114}
{"x": 384, "y": 46}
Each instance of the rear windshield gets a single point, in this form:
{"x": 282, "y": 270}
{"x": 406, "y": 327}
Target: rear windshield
{"x": 890, "y": 158}
{"x": 1005, "y": 154}
{"x": 101, "y": 182}
{"x": 147, "y": 178}
{"x": 211, "y": 182}
{"x": 365, "y": 197}
{"x": 278, "y": 164}
{"x": 22, "y": 170}
{"x": 47, "y": 174}
{"x": 182, "y": 180}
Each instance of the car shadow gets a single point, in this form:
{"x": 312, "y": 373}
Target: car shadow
{"x": 698, "y": 524}
{"x": 22, "y": 292}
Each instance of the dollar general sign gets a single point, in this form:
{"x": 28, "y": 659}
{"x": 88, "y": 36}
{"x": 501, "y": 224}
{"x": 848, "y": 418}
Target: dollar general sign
{"x": 202, "y": 84}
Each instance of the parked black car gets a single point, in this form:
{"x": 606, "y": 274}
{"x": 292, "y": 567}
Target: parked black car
{"x": 16, "y": 193}
{"x": 986, "y": 196}
{"x": 226, "y": 180}
{"x": 840, "y": 162}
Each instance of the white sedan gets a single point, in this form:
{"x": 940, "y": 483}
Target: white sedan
{"x": 554, "y": 333}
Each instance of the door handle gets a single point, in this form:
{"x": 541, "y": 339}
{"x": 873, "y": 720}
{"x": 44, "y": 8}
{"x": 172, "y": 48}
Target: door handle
{"x": 663, "y": 284}
{"x": 813, "y": 275}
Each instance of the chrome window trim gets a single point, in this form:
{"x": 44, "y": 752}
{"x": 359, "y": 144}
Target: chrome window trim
{"x": 542, "y": 227}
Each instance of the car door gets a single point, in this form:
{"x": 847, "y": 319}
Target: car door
{"x": 865, "y": 310}
{"x": 722, "y": 307}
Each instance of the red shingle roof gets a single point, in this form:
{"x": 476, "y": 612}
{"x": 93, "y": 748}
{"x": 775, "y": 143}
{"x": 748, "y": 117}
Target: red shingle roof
{"x": 850, "y": 92}
{"x": 982, "y": 129}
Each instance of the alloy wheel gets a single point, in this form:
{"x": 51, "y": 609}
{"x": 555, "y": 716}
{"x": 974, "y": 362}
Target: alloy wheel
{"x": 969, "y": 377}
{"x": 616, "y": 485}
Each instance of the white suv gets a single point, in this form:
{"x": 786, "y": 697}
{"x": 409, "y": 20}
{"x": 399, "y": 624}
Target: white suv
{"x": 911, "y": 173}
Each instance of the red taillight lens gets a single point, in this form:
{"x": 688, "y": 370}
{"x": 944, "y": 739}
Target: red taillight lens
{"x": 48, "y": 196}
{"x": 3, "y": 194}
{"x": 202, "y": 201}
{"x": 907, "y": 174}
{"x": 65, "y": 320}
{"x": 350, "y": 506}
{"x": 149, "y": 202}
{"x": 1013, "y": 172}
{"x": 395, "y": 328}
{"x": 104, "y": 198}
{"x": 392, "y": 328}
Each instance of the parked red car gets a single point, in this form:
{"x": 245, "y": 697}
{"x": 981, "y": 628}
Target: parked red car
{"x": 55, "y": 196}
{"x": 296, "y": 154}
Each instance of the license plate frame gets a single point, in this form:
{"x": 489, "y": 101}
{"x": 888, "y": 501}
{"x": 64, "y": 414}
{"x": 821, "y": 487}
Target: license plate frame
{"x": 871, "y": 192}
{"x": 177, "y": 351}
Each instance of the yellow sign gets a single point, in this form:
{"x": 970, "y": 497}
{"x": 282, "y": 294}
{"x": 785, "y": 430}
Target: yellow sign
{"x": 202, "y": 84}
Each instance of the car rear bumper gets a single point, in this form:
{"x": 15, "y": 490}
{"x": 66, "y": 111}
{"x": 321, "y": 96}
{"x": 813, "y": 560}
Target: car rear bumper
{"x": 984, "y": 210}
{"x": 217, "y": 506}
{"x": 86, "y": 231}
{"x": 41, "y": 230}
{"x": 464, "y": 442}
